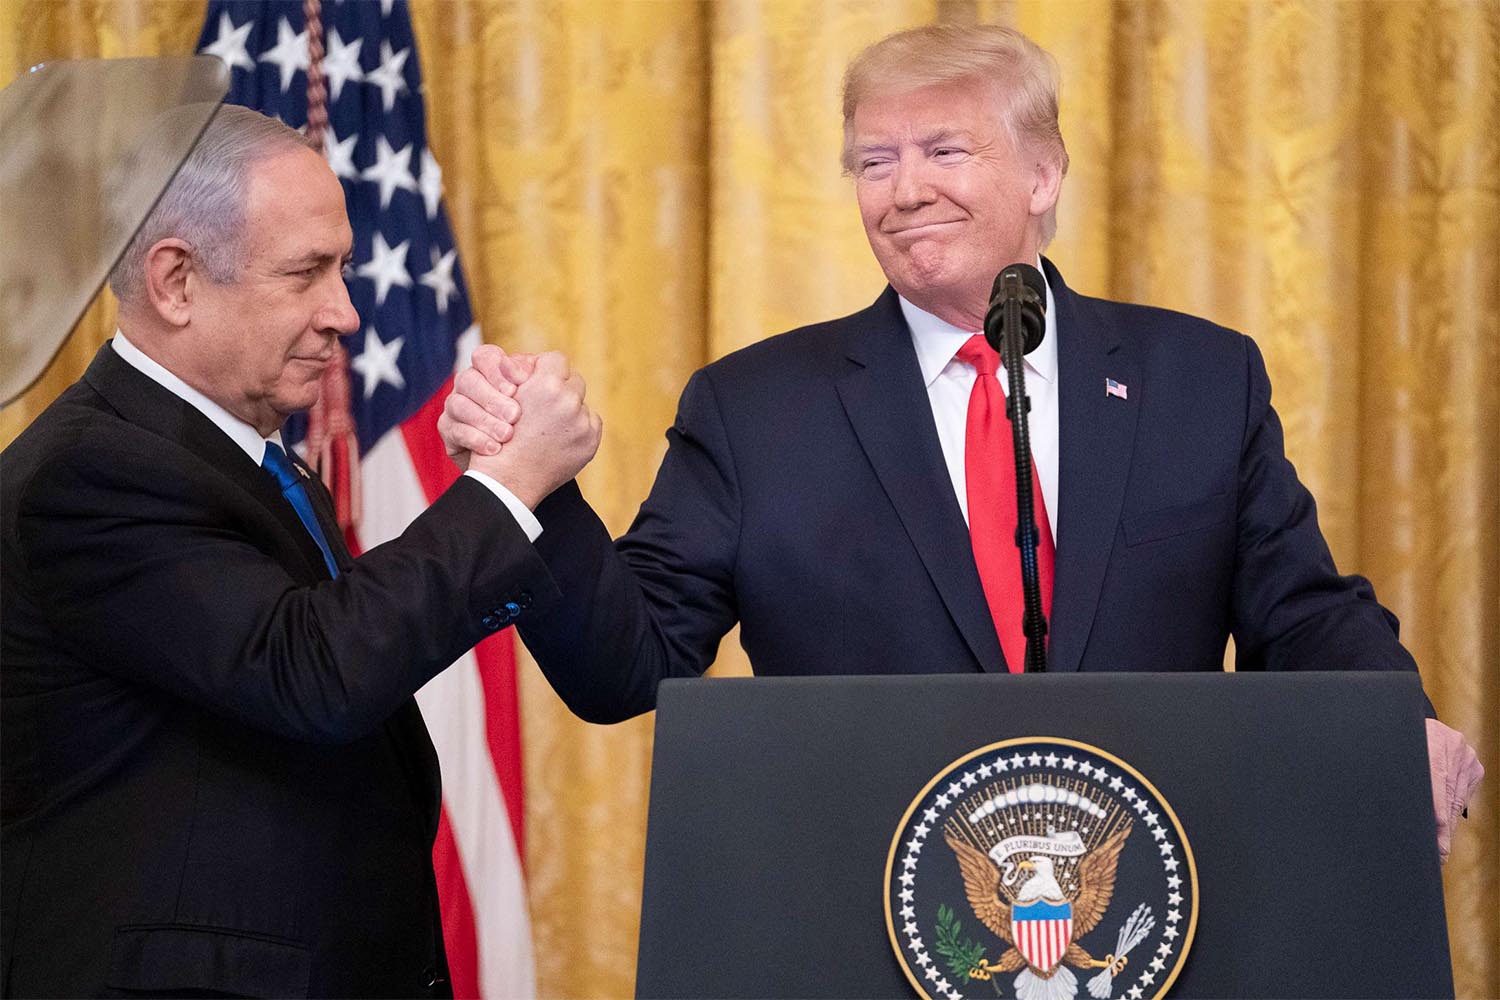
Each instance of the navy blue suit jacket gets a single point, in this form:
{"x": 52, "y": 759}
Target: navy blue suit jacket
{"x": 804, "y": 495}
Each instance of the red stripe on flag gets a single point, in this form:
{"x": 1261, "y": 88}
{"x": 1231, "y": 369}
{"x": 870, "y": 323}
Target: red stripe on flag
{"x": 435, "y": 470}
{"x": 460, "y": 936}
{"x": 495, "y": 656}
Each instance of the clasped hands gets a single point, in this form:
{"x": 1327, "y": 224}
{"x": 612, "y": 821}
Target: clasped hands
{"x": 520, "y": 419}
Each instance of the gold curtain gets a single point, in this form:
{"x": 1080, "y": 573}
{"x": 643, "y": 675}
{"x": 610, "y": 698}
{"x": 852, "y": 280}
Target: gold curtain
{"x": 647, "y": 186}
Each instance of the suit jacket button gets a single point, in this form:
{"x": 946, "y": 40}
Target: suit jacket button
{"x": 513, "y": 609}
{"x": 429, "y": 977}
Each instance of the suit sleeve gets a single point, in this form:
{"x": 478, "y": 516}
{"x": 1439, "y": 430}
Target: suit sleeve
{"x": 153, "y": 583}
{"x": 1292, "y": 610}
{"x": 657, "y": 604}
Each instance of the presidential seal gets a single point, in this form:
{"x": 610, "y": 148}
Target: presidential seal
{"x": 1040, "y": 869}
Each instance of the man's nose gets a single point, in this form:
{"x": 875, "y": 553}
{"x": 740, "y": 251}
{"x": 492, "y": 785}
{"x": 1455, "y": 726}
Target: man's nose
{"x": 911, "y": 187}
{"x": 338, "y": 315}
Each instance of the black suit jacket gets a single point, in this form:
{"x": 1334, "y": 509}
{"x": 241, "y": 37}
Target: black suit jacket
{"x": 804, "y": 495}
{"x": 215, "y": 776}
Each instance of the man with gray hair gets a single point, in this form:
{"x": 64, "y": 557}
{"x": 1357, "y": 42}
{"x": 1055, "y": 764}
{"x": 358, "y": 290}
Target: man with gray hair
{"x": 846, "y": 491}
{"x": 216, "y": 781}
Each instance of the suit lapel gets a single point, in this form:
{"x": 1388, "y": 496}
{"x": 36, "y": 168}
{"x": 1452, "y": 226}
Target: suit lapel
{"x": 146, "y": 404}
{"x": 887, "y": 405}
{"x": 1096, "y": 437}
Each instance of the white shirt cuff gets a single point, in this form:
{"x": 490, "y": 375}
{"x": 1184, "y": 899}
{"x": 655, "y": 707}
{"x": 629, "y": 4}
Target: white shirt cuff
{"x": 525, "y": 518}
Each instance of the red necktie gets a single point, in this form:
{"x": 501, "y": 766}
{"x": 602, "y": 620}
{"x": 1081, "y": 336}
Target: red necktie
{"x": 990, "y": 470}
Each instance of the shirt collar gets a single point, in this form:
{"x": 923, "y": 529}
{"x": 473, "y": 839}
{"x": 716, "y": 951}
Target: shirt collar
{"x": 937, "y": 340}
{"x": 242, "y": 434}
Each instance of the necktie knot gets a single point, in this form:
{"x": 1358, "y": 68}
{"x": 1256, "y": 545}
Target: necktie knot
{"x": 277, "y": 464}
{"x": 978, "y": 353}
{"x": 290, "y": 482}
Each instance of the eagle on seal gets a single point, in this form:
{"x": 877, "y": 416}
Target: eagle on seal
{"x": 1043, "y": 970}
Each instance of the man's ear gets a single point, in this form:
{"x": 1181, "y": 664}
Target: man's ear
{"x": 1045, "y": 187}
{"x": 169, "y": 268}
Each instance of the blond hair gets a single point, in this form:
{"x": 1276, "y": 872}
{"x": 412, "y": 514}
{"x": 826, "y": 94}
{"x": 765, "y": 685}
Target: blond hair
{"x": 1023, "y": 74}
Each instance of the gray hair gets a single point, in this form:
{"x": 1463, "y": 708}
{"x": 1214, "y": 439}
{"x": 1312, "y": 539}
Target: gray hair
{"x": 936, "y": 54}
{"x": 205, "y": 204}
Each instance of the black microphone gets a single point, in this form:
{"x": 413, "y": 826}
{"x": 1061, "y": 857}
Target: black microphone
{"x": 1020, "y": 283}
{"x": 1014, "y": 325}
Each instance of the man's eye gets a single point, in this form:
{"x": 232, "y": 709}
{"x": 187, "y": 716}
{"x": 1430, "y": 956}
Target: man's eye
{"x": 947, "y": 153}
{"x": 874, "y": 168}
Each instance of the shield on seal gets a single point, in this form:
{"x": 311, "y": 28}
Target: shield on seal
{"x": 1041, "y": 932}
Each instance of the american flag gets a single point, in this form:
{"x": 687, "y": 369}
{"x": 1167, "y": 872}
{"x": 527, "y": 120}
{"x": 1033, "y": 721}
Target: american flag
{"x": 417, "y": 329}
{"x": 1113, "y": 388}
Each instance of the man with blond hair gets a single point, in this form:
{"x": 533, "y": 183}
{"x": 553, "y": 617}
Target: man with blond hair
{"x": 840, "y": 491}
{"x": 216, "y": 781}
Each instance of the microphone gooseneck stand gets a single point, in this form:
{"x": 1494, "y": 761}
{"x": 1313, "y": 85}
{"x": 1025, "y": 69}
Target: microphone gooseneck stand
{"x": 1010, "y": 293}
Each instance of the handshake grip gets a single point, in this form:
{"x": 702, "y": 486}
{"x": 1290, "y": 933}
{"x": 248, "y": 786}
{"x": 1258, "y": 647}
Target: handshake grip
{"x": 522, "y": 420}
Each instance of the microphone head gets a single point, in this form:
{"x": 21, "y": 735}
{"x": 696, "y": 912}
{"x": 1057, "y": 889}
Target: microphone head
{"x": 1030, "y": 277}
{"x": 1024, "y": 284}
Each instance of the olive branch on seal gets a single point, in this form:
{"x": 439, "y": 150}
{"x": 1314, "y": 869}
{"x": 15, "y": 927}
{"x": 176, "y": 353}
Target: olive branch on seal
{"x": 963, "y": 956}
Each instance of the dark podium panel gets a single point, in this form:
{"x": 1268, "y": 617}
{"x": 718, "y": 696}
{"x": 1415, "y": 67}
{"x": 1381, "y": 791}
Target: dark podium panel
{"x": 1305, "y": 797}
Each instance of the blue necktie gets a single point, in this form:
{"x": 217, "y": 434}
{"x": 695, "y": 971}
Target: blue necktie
{"x": 278, "y": 465}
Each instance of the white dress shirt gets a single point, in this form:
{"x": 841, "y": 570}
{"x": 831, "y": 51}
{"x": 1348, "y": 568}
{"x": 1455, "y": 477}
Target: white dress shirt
{"x": 252, "y": 444}
{"x": 950, "y": 381}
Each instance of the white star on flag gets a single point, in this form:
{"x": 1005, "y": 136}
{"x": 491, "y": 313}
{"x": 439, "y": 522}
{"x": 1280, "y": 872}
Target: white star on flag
{"x": 392, "y": 170}
{"x": 440, "y": 278}
{"x": 386, "y": 267}
{"x": 377, "y": 363}
{"x": 289, "y": 53}
{"x": 340, "y": 153}
{"x": 388, "y": 76}
{"x": 230, "y": 45}
{"x": 431, "y": 183}
{"x": 341, "y": 64}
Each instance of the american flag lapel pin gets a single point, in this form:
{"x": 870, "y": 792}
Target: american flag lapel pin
{"x": 1113, "y": 388}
